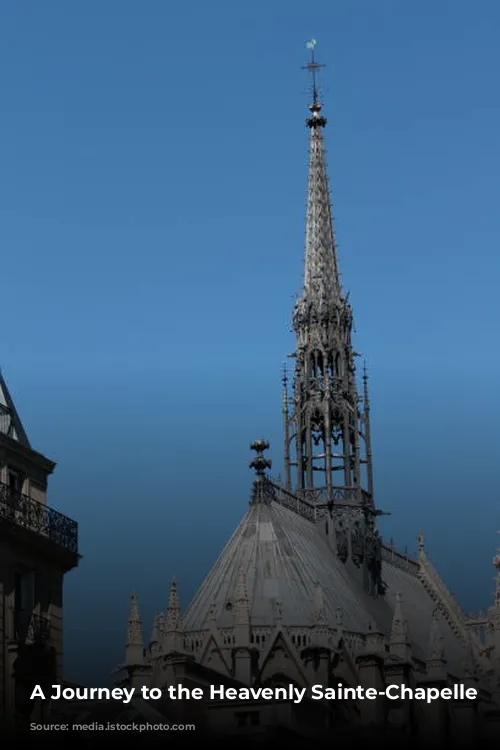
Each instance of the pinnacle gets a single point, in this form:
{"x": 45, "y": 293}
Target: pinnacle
{"x": 173, "y": 611}
{"x": 134, "y": 629}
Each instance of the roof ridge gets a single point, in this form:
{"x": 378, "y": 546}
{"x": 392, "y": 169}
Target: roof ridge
{"x": 449, "y": 606}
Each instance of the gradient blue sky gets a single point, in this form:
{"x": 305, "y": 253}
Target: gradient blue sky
{"x": 152, "y": 190}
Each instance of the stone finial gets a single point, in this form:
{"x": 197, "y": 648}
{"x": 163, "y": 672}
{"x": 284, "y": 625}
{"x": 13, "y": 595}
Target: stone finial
{"x": 134, "y": 649}
{"x": 173, "y": 611}
{"x": 173, "y": 632}
{"x": 260, "y": 463}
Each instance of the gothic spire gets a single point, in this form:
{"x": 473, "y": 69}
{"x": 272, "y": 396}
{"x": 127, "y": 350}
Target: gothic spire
{"x": 321, "y": 276}
{"x": 134, "y": 649}
{"x": 173, "y": 637}
{"x": 173, "y": 611}
{"x": 326, "y": 431}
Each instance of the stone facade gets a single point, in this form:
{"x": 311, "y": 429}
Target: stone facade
{"x": 37, "y": 547}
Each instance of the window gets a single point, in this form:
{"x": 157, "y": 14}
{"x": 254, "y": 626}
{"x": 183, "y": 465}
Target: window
{"x": 14, "y": 481}
{"x": 24, "y": 591}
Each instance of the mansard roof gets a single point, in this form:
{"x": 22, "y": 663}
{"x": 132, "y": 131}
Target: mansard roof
{"x": 285, "y": 556}
{"x": 10, "y": 422}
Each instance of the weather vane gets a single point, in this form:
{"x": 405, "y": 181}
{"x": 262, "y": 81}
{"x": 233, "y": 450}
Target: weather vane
{"x": 313, "y": 68}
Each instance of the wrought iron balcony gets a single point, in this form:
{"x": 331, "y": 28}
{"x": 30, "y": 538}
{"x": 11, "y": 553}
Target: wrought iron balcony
{"x": 22, "y": 512}
{"x": 31, "y": 629}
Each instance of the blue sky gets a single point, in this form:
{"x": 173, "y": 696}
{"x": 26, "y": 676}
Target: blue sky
{"x": 152, "y": 191}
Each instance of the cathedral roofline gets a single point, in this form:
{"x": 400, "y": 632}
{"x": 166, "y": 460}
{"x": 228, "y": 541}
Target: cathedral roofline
{"x": 305, "y": 590}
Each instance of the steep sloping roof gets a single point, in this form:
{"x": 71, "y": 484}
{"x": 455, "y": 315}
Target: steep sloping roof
{"x": 418, "y": 609}
{"x": 285, "y": 555}
{"x": 10, "y": 422}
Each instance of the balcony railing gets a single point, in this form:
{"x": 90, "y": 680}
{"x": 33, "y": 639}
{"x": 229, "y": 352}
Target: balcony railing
{"x": 24, "y": 512}
{"x": 31, "y": 629}
{"x": 335, "y": 495}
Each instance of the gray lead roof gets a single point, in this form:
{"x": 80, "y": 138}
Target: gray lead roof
{"x": 285, "y": 556}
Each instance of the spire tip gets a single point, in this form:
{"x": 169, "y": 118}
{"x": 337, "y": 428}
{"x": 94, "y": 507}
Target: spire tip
{"x": 315, "y": 108}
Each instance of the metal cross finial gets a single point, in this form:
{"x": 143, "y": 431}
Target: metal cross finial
{"x": 313, "y": 68}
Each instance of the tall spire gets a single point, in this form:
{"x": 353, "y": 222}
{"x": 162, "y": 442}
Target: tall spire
{"x": 321, "y": 277}
{"x": 329, "y": 447}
